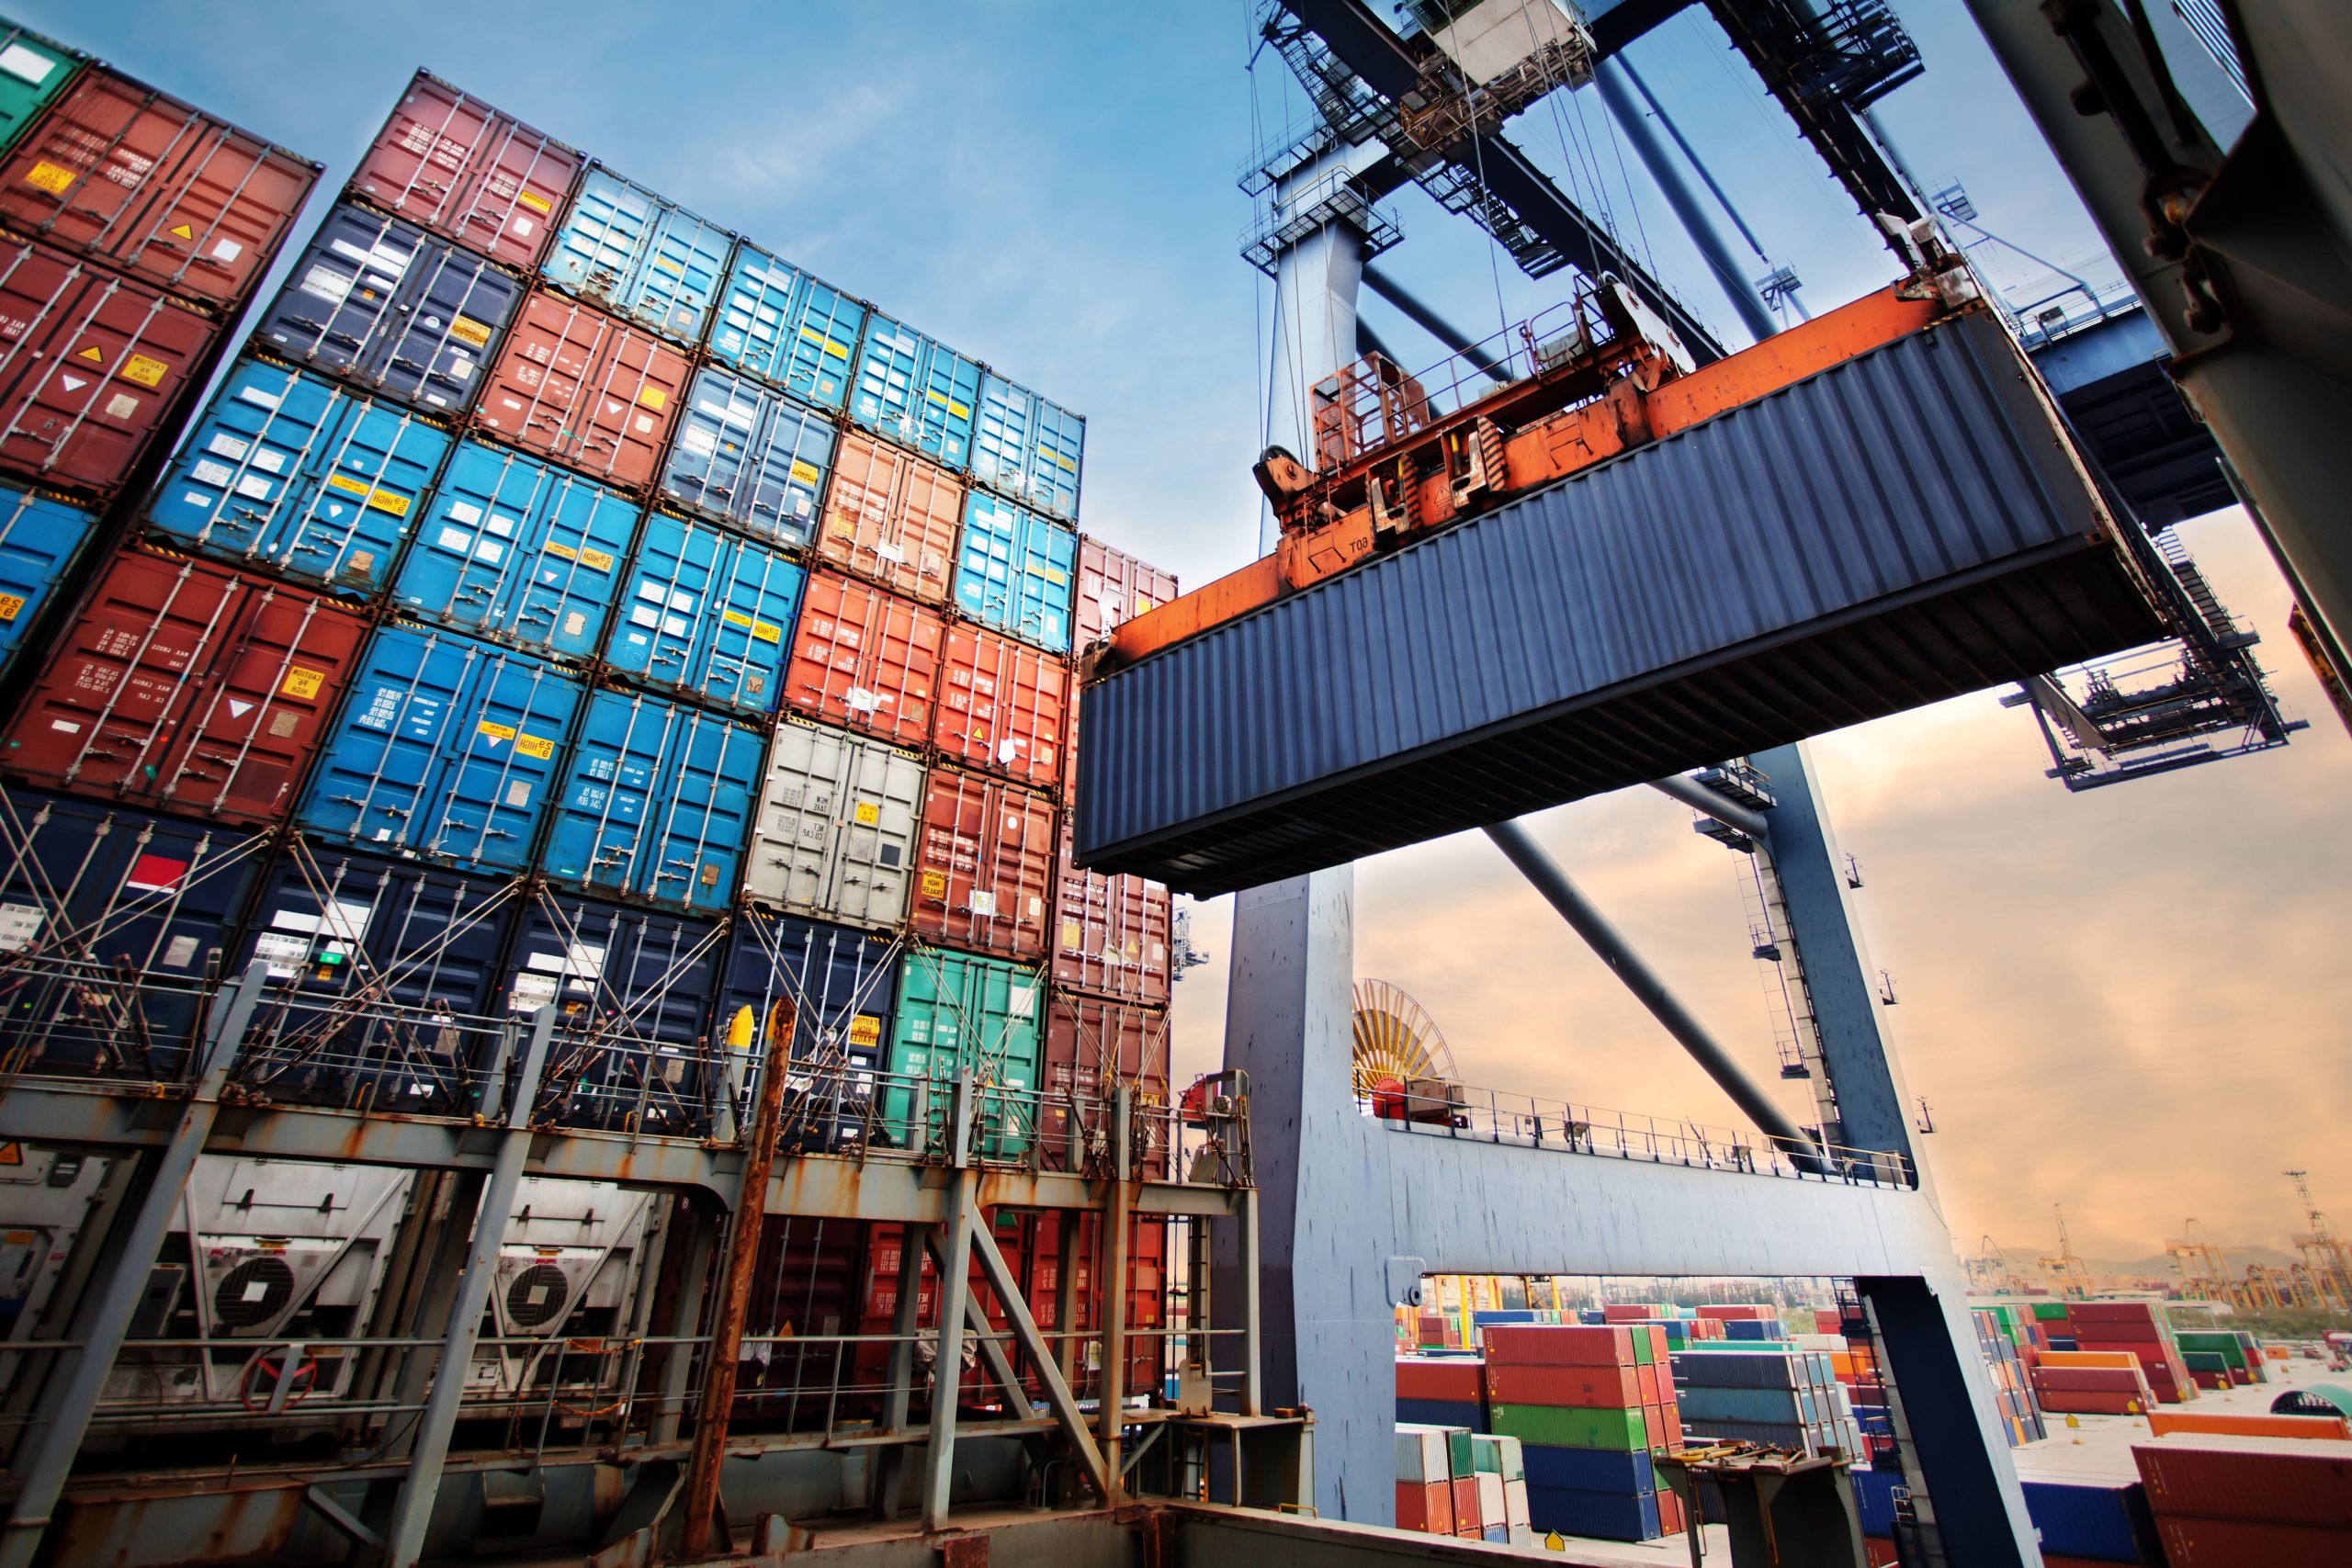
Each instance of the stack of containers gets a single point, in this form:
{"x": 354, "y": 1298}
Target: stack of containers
{"x": 1589, "y": 1404}
{"x": 1775, "y": 1395}
{"x": 1453, "y": 1481}
{"x": 1442, "y": 1391}
{"x": 2220, "y": 1357}
{"x": 2091, "y": 1382}
{"x": 2249, "y": 1501}
{"x": 2139, "y": 1328}
{"x": 2020, "y": 1418}
{"x": 1503, "y": 1504}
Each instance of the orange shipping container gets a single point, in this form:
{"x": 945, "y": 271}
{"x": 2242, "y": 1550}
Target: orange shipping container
{"x": 2089, "y": 1359}
{"x": 589, "y": 390}
{"x": 1092, "y": 1045}
{"x": 1113, "y": 587}
{"x": 984, "y": 865}
{"x": 864, "y": 659}
{"x": 1109, "y": 933}
{"x": 1003, "y": 706}
{"x": 891, "y": 517}
{"x": 2320, "y": 1426}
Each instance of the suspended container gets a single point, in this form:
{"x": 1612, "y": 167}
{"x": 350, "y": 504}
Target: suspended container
{"x": 39, "y": 537}
{"x": 1028, "y": 448}
{"x": 146, "y": 185}
{"x": 891, "y": 517}
{"x": 834, "y": 833}
{"x": 960, "y": 1012}
{"x": 187, "y": 688}
{"x": 447, "y": 752}
{"x": 381, "y": 303}
{"x": 789, "y": 328}
{"x": 705, "y": 613}
{"x": 639, "y": 255}
{"x": 595, "y": 393}
{"x": 916, "y": 393}
{"x": 656, "y": 803}
{"x": 865, "y": 659}
{"x": 519, "y": 551}
{"x": 984, "y": 865}
{"x": 844, "y": 987}
{"x": 92, "y": 368}
{"x": 289, "y": 474}
{"x": 1109, "y": 933}
{"x": 468, "y": 173}
{"x": 1113, "y": 587}
{"x": 1004, "y": 707}
{"x": 32, "y": 71}
{"x": 1014, "y": 570}
{"x": 749, "y": 456}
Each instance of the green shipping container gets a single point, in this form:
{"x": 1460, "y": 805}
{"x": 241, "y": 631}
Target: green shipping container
{"x": 955, "y": 1010}
{"x": 1642, "y": 1352}
{"x": 2050, "y": 1311}
{"x": 32, "y": 69}
{"x": 1461, "y": 1453}
{"x": 1559, "y": 1427}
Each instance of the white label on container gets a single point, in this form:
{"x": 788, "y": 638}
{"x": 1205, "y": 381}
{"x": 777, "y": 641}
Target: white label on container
{"x": 224, "y": 445}
{"x": 1007, "y": 750}
{"x": 645, "y": 424}
{"x": 1023, "y": 1002}
{"x": 695, "y": 438}
{"x": 465, "y": 512}
{"x": 546, "y": 961}
{"x": 642, "y": 616}
{"x": 490, "y": 552}
{"x": 227, "y": 250}
{"x": 25, "y": 64}
{"x": 983, "y": 903}
{"x": 522, "y": 227}
{"x": 345, "y": 920}
{"x": 19, "y": 924}
{"x": 531, "y": 992}
{"x": 213, "y": 474}
{"x": 681, "y": 602}
{"x": 260, "y": 397}
{"x": 256, "y": 487}
{"x": 461, "y": 370}
{"x": 518, "y": 794}
{"x": 327, "y": 284}
{"x": 455, "y": 539}
{"x": 581, "y": 958}
{"x": 121, "y": 406}
{"x": 178, "y": 952}
{"x": 890, "y": 552}
{"x": 674, "y": 626}
{"x": 863, "y": 701}
{"x": 502, "y": 525}
{"x": 284, "y": 955}
{"x": 269, "y": 462}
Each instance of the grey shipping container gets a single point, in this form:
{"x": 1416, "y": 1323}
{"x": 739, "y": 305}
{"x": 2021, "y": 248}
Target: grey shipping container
{"x": 835, "y": 827}
{"x": 1908, "y": 527}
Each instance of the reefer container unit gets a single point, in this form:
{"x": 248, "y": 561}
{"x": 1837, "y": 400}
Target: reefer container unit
{"x": 955, "y": 1010}
{"x": 789, "y": 328}
{"x": 655, "y": 804}
{"x": 834, "y": 834}
{"x": 917, "y": 392}
{"x": 91, "y": 367}
{"x": 289, "y": 474}
{"x": 187, "y": 688}
{"x": 639, "y": 254}
{"x": 384, "y": 304}
{"x": 705, "y": 613}
{"x": 1003, "y": 706}
{"x": 1109, "y": 933}
{"x": 844, "y": 987}
{"x": 33, "y": 71}
{"x": 338, "y": 926}
{"x": 1112, "y": 586}
{"x": 749, "y": 456}
{"x": 468, "y": 173}
{"x": 1014, "y": 570}
{"x": 447, "y": 752}
{"x": 39, "y": 537}
{"x": 1908, "y": 526}
{"x": 891, "y": 517}
{"x": 865, "y": 659}
{"x": 1092, "y": 1045}
{"x": 984, "y": 865}
{"x": 140, "y": 181}
{"x": 1028, "y": 448}
{"x": 593, "y": 392}
{"x": 519, "y": 551}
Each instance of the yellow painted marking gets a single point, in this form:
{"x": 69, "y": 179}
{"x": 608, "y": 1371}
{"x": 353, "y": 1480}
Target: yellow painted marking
{"x": 301, "y": 682}
{"x": 50, "y": 177}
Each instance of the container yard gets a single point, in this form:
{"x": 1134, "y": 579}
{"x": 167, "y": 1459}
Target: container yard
{"x": 573, "y": 987}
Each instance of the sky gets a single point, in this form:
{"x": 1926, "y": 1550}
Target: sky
{"x": 2121, "y": 1000}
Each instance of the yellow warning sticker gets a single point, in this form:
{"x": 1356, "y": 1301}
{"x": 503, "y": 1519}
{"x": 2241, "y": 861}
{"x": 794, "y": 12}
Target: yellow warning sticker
{"x": 766, "y": 631}
{"x": 385, "y": 501}
{"x": 14, "y": 1153}
{"x": 534, "y": 746}
{"x": 180, "y": 232}
{"x": 959, "y": 411}
{"x": 824, "y": 343}
{"x": 653, "y": 398}
{"x": 301, "y": 682}
{"x": 348, "y": 485}
{"x": 867, "y": 813}
{"x": 936, "y": 397}
{"x": 935, "y": 885}
{"x": 866, "y": 1030}
{"x": 146, "y": 372}
{"x": 1066, "y": 465}
{"x": 466, "y": 330}
{"x": 666, "y": 264}
{"x": 737, "y": 618}
{"x": 495, "y": 732}
{"x": 1072, "y": 933}
{"x": 93, "y": 353}
{"x": 561, "y": 552}
{"x": 803, "y": 473}
{"x": 534, "y": 202}
{"x": 1052, "y": 574}
{"x": 50, "y": 177}
{"x": 841, "y": 530}
{"x": 11, "y": 606}
{"x": 595, "y": 560}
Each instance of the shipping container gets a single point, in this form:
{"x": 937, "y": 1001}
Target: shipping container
{"x": 289, "y": 474}
{"x": 1113, "y": 587}
{"x": 1014, "y": 569}
{"x": 655, "y": 804}
{"x": 90, "y": 368}
{"x": 2292, "y": 1481}
{"x": 916, "y": 393}
{"x": 519, "y": 551}
{"x": 337, "y": 926}
{"x": 891, "y": 517}
{"x": 750, "y": 457}
{"x": 187, "y": 688}
{"x": 380, "y": 303}
{"x": 468, "y": 173}
{"x": 1028, "y": 448}
{"x": 706, "y": 613}
{"x": 39, "y": 537}
{"x": 984, "y": 865}
{"x": 1003, "y": 706}
{"x": 865, "y": 659}
{"x": 447, "y": 752}
{"x": 808, "y": 1273}
{"x": 595, "y": 393}
{"x": 138, "y": 181}
{"x": 844, "y": 988}
{"x": 1092, "y": 1046}
{"x": 1109, "y": 933}
{"x": 639, "y": 255}
{"x": 834, "y": 834}
{"x": 954, "y": 1012}
{"x": 789, "y": 328}
{"x": 32, "y": 71}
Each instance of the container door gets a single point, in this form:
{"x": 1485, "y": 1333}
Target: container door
{"x": 677, "y": 277}
{"x": 340, "y": 302}
{"x": 607, "y": 229}
{"x": 823, "y": 347}
{"x": 502, "y": 771}
{"x": 844, "y": 987}
{"x": 865, "y": 659}
{"x": 38, "y": 539}
{"x": 455, "y": 308}
{"x": 1056, "y": 453}
{"x": 883, "y": 398}
{"x": 891, "y": 517}
{"x": 400, "y": 732}
{"x": 836, "y": 827}
{"x": 1015, "y": 570}
{"x": 636, "y": 390}
{"x": 949, "y": 389}
{"x": 1003, "y": 706}
{"x": 701, "y": 812}
{"x": 31, "y": 70}
{"x": 336, "y": 925}
{"x": 789, "y": 329}
{"x": 706, "y": 613}
{"x": 656, "y": 803}
{"x": 467, "y": 172}
{"x": 573, "y": 381}
{"x": 749, "y": 457}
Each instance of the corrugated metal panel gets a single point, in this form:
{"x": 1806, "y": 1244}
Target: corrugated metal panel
{"x": 2107, "y": 1523}
{"x": 891, "y": 517}
{"x": 39, "y": 537}
{"x": 751, "y": 457}
{"x": 468, "y": 172}
{"x": 1003, "y": 706}
{"x": 300, "y": 476}
{"x": 789, "y": 328}
{"x": 1112, "y": 587}
{"x": 917, "y": 392}
{"x": 1109, "y": 933}
{"x": 656, "y": 803}
{"x": 337, "y": 926}
{"x": 639, "y": 255}
{"x": 835, "y": 832}
{"x": 591, "y": 391}
{"x": 984, "y": 865}
{"x": 1028, "y": 448}
{"x": 865, "y": 659}
{"x": 2288, "y": 1481}
{"x": 844, "y": 983}
{"x": 33, "y": 71}
{"x": 706, "y": 613}
{"x": 1014, "y": 569}
{"x": 1906, "y": 527}
{"x": 958, "y": 1010}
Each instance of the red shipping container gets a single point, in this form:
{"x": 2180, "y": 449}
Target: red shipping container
{"x": 1632, "y": 1312}
{"x": 1741, "y": 1311}
{"x": 984, "y": 865}
{"x": 1111, "y": 933}
{"x": 91, "y": 367}
{"x": 187, "y": 688}
{"x": 1655, "y": 1390}
{"x": 892, "y": 517}
{"x": 1583, "y": 1388}
{"x": 2081, "y": 1313}
{"x": 2243, "y": 1543}
{"x": 1466, "y": 1507}
{"x": 1457, "y": 1379}
{"x": 1112, "y": 589}
{"x": 1428, "y": 1509}
{"x": 468, "y": 173}
{"x": 591, "y": 391}
{"x": 1665, "y": 1426}
{"x": 1003, "y": 706}
{"x": 142, "y": 182}
{"x": 1091, "y": 1046}
{"x": 2294, "y": 1481}
{"x": 864, "y": 659}
{"x": 1558, "y": 1345}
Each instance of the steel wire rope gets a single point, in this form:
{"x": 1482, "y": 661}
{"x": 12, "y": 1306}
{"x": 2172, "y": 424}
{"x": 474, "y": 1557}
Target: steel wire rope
{"x": 1785, "y": 139}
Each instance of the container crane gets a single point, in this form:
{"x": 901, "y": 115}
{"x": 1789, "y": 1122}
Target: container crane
{"x": 2065, "y": 1270}
{"x": 2328, "y": 1259}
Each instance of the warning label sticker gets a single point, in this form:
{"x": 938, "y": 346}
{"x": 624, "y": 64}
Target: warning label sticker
{"x": 534, "y": 746}
{"x": 301, "y": 682}
{"x": 148, "y": 373}
{"x": 935, "y": 885}
{"x": 48, "y": 177}
{"x": 468, "y": 330}
{"x": 534, "y": 202}
{"x": 866, "y": 1030}
{"x": 653, "y": 398}
{"x": 867, "y": 813}
{"x": 11, "y": 606}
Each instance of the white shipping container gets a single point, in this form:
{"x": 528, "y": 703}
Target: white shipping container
{"x": 1421, "y": 1455}
{"x": 1491, "y": 1501}
{"x": 1515, "y": 1504}
{"x": 836, "y": 827}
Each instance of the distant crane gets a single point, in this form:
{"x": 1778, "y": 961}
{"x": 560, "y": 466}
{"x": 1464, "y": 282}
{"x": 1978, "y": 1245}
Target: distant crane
{"x": 2204, "y": 1273}
{"x": 2065, "y": 1270}
{"x": 1989, "y": 1273}
{"x": 2327, "y": 1260}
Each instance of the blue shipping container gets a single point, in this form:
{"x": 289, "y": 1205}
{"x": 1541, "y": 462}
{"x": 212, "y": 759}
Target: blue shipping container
{"x": 382, "y": 302}
{"x": 38, "y": 539}
{"x": 2106, "y": 1522}
{"x": 1015, "y": 568}
{"x": 1588, "y": 1470}
{"x": 1874, "y": 1492}
{"x": 298, "y": 476}
{"x": 789, "y": 328}
{"x": 656, "y": 803}
{"x": 1785, "y": 1404}
{"x": 916, "y": 393}
{"x": 1441, "y": 1413}
{"x": 748, "y": 455}
{"x": 842, "y": 985}
{"x": 447, "y": 751}
{"x": 639, "y": 255}
{"x": 706, "y": 613}
{"x": 1028, "y": 448}
{"x": 520, "y": 551}
{"x": 1610, "y": 1516}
